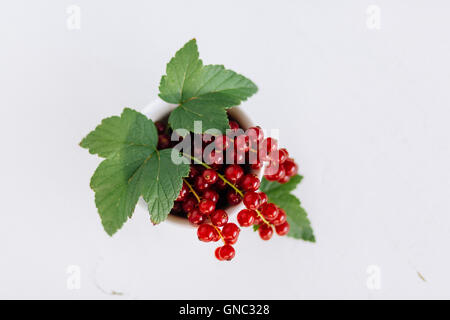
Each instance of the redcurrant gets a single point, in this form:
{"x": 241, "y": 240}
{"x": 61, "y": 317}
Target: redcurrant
{"x": 250, "y": 182}
{"x": 233, "y": 198}
{"x": 230, "y": 231}
{"x": 246, "y": 217}
{"x": 282, "y": 229}
{"x": 211, "y": 195}
{"x": 280, "y": 218}
{"x": 234, "y": 173}
{"x": 263, "y": 198}
{"x": 290, "y": 167}
{"x": 221, "y": 143}
{"x": 183, "y": 192}
{"x": 201, "y": 184}
{"x": 189, "y": 204}
{"x": 283, "y": 155}
{"x": 210, "y": 176}
{"x": 217, "y": 254}
{"x": 206, "y": 206}
{"x": 196, "y": 217}
{"x": 226, "y": 252}
{"x": 256, "y": 134}
{"x": 270, "y": 211}
{"x": 193, "y": 172}
{"x": 220, "y": 184}
{"x": 233, "y": 125}
{"x": 163, "y": 141}
{"x": 279, "y": 175}
{"x": 265, "y": 231}
{"x": 205, "y": 232}
{"x": 160, "y": 127}
{"x": 219, "y": 218}
{"x": 284, "y": 179}
{"x": 252, "y": 200}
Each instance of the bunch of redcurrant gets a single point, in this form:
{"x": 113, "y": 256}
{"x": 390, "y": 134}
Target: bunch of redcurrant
{"x": 222, "y": 176}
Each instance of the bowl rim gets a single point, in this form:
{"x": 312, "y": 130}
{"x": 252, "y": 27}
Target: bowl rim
{"x": 157, "y": 110}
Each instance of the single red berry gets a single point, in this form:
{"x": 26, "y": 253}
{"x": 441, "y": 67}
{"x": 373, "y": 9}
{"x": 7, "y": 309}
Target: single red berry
{"x": 221, "y": 143}
{"x": 160, "y": 127}
{"x": 246, "y": 217}
{"x": 206, "y": 206}
{"x": 279, "y": 175}
{"x": 270, "y": 211}
{"x": 265, "y": 231}
{"x": 189, "y": 204}
{"x": 282, "y": 229}
{"x": 227, "y": 252}
{"x": 252, "y": 200}
{"x": 220, "y": 185}
{"x": 163, "y": 141}
{"x": 233, "y": 198}
{"x": 234, "y": 173}
{"x": 230, "y": 231}
{"x": 283, "y": 155}
{"x": 210, "y": 176}
{"x": 201, "y": 184}
{"x": 214, "y": 159}
{"x": 234, "y": 125}
{"x": 281, "y": 217}
{"x": 205, "y": 232}
{"x": 211, "y": 195}
{"x": 177, "y": 208}
{"x": 263, "y": 198}
{"x": 193, "y": 172}
{"x": 217, "y": 254}
{"x": 256, "y": 135}
{"x": 250, "y": 182}
{"x": 271, "y": 169}
{"x": 219, "y": 218}
{"x": 284, "y": 179}
{"x": 196, "y": 217}
{"x": 290, "y": 167}
{"x": 183, "y": 192}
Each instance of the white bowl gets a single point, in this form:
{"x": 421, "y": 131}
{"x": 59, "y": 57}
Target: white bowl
{"x": 159, "y": 110}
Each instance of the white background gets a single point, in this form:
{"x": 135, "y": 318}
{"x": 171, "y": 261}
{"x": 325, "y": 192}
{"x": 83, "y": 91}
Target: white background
{"x": 365, "y": 113}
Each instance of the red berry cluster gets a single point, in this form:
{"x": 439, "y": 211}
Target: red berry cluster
{"x": 213, "y": 185}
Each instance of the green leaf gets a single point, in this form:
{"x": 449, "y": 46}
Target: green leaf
{"x": 202, "y": 93}
{"x": 118, "y": 134}
{"x": 274, "y": 187}
{"x": 296, "y": 215}
{"x": 133, "y": 167}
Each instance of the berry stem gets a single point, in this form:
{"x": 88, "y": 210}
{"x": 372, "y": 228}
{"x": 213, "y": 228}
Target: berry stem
{"x": 239, "y": 192}
{"x": 220, "y": 233}
{"x": 262, "y": 218}
{"x": 192, "y": 189}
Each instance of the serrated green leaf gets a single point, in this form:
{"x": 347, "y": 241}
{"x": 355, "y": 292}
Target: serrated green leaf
{"x": 117, "y": 134}
{"x": 296, "y": 216}
{"x": 133, "y": 168}
{"x": 203, "y": 93}
{"x": 277, "y": 188}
